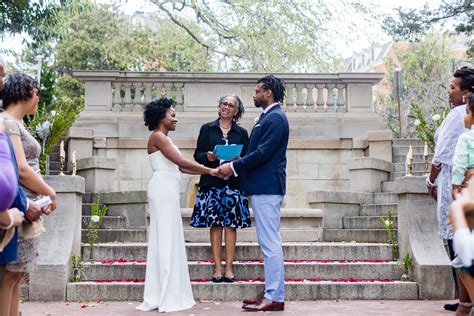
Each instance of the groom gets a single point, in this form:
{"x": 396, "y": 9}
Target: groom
{"x": 264, "y": 178}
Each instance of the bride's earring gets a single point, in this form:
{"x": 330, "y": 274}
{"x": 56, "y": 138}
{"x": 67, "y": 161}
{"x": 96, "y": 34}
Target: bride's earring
{"x": 463, "y": 99}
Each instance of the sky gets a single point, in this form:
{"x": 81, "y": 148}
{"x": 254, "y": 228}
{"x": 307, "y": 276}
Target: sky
{"x": 360, "y": 40}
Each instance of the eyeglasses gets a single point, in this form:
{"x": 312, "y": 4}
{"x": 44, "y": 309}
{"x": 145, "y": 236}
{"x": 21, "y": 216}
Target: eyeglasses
{"x": 227, "y": 105}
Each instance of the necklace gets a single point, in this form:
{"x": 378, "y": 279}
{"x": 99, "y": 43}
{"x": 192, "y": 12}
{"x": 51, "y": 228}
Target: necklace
{"x": 223, "y": 127}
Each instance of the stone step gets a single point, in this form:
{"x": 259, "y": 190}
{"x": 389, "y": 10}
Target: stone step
{"x": 118, "y": 235}
{"x": 250, "y": 235}
{"x": 365, "y": 222}
{"x": 384, "y": 198}
{"x": 416, "y": 167}
{"x": 358, "y": 235}
{"x": 416, "y": 158}
{"x": 251, "y": 251}
{"x": 302, "y": 290}
{"x": 378, "y": 209}
{"x": 200, "y": 270}
{"x": 388, "y": 186}
{"x": 119, "y": 197}
{"x": 407, "y": 142}
{"x": 108, "y": 222}
{"x": 403, "y": 150}
{"x": 396, "y": 175}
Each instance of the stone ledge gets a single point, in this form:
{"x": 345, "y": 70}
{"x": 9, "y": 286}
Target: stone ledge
{"x": 97, "y": 163}
{"x": 360, "y": 143}
{"x": 285, "y": 212}
{"x": 190, "y": 143}
{"x": 411, "y": 184}
{"x": 340, "y": 197}
{"x": 380, "y": 135}
{"x": 119, "y": 197}
{"x": 82, "y": 133}
{"x": 369, "y": 163}
{"x": 66, "y": 184}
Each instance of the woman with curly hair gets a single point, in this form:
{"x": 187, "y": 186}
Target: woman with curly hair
{"x": 167, "y": 283}
{"x": 221, "y": 204}
{"x": 20, "y": 98}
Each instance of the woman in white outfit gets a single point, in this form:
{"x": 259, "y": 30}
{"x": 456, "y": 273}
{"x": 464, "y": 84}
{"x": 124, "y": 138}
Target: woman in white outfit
{"x": 167, "y": 283}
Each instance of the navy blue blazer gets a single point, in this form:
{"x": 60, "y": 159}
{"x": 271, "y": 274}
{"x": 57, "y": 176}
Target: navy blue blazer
{"x": 263, "y": 169}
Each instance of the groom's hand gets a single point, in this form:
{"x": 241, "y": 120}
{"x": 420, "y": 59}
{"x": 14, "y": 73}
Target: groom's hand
{"x": 225, "y": 171}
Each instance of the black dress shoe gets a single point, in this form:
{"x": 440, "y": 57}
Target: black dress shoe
{"x": 265, "y": 305}
{"x": 230, "y": 279}
{"x": 451, "y": 307}
{"x": 217, "y": 279}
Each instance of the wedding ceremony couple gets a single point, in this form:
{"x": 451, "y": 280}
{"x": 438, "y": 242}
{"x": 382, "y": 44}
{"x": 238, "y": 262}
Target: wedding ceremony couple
{"x": 260, "y": 172}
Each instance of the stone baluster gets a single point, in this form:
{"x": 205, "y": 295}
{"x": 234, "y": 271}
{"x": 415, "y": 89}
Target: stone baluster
{"x": 169, "y": 90}
{"x": 340, "y": 98}
{"x": 290, "y": 93}
{"x": 127, "y": 99}
{"x": 320, "y": 100}
{"x": 312, "y": 91}
{"x": 117, "y": 99}
{"x": 147, "y": 93}
{"x": 331, "y": 98}
{"x": 300, "y": 96}
{"x": 179, "y": 94}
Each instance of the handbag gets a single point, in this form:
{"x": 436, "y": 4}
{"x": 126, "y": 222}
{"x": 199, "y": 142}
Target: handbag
{"x": 32, "y": 230}
{"x": 6, "y": 236}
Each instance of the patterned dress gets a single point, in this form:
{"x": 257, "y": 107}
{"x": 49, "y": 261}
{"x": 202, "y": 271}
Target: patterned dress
{"x": 219, "y": 203}
{"x": 27, "y": 249}
{"x": 446, "y": 137}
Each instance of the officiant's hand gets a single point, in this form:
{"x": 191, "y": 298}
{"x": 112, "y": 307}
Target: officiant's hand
{"x": 211, "y": 157}
{"x": 225, "y": 170}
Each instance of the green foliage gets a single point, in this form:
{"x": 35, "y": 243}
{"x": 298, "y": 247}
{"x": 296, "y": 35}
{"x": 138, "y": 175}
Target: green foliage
{"x": 427, "y": 70}
{"x": 60, "y": 104}
{"x": 77, "y": 269}
{"x": 100, "y": 39}
{"x": 427, "y": 123}
{"x": 268, "y": 35}
{"x": 39, "y": 19}
{"x": 412, "y": 24}
{"x": 406, "y": 264}
{"x": 391, "y": 232}
{"x": 93, "y": 224}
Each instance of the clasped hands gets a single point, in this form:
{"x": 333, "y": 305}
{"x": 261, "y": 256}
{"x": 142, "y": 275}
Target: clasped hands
{"x": 224, "y": 171}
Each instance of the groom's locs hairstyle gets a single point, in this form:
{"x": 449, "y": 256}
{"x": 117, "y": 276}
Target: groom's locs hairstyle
{"x": 275, "y": 84}
{"x": 18, "y": 87}
{"x": 155, "y": 111}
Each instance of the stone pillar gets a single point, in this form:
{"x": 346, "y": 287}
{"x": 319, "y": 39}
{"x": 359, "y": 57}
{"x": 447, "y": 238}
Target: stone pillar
{"x": 337, "y": 204}
{"x": 380, "y": 144}
{"x": 367, "y": 174}
{"x": 61, "y": 240}
{"x": 418, "y": 236}
{"x": 99, "y": 173}
{"x": 80, "y": 140}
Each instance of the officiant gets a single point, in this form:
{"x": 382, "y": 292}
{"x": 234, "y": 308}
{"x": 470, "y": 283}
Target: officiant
{"x": 221, "y": 204}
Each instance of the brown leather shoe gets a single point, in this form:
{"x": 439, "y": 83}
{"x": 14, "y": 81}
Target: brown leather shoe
{"x": 265, "y": 305}
{"x": 256, "y": 300}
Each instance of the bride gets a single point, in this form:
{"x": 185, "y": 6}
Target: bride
{"x": 167, "y": 283}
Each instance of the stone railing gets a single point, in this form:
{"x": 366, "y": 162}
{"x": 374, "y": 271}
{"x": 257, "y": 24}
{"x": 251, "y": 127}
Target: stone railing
{"x": 130, "y": 91}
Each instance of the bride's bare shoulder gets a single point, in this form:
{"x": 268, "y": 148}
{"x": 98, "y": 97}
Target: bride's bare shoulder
{"x": 156, "y": 141}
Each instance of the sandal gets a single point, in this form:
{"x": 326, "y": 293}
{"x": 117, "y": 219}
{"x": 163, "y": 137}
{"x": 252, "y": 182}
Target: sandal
{"x": 229, "y": 279}
{"x": 217, "y": 279}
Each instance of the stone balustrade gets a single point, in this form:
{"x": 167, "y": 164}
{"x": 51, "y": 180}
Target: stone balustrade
{"x": 130, "y": 91}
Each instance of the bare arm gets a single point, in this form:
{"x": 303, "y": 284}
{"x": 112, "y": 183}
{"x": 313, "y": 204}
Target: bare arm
{"x": 28, "y": 177}
{"x": 160, "y": 142}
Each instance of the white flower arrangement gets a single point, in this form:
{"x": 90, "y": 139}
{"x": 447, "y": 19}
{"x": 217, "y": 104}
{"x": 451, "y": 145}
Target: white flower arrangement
{"x": 417, "y": 122}
{"x": 436, "y": 117}
{"x": 95, "y": 218}
{"x": 43, "y": 130}
{"x": 255, "y": 120}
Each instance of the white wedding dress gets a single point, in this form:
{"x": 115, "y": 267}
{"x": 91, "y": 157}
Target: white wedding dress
{"x": 167, "y": 283}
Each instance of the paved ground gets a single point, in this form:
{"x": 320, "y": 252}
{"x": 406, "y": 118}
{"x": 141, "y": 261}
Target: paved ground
{"x": 352, "y": 308}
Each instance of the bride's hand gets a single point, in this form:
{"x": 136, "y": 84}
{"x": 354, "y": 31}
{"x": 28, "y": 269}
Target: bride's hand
{"x": 214, "y": 172}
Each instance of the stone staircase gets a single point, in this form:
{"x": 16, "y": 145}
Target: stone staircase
{"x": 354, "y": 262}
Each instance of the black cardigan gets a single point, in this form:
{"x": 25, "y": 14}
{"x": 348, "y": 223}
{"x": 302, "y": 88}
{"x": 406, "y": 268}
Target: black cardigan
{"x": 209, "y": 136}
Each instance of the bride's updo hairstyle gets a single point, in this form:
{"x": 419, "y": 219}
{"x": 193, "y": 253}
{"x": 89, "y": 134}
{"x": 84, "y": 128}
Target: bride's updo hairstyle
{"x": 155, "y": 111}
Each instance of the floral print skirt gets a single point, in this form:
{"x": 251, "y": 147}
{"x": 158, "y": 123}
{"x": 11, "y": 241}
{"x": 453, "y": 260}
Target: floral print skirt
{"x": 226, "y": 207}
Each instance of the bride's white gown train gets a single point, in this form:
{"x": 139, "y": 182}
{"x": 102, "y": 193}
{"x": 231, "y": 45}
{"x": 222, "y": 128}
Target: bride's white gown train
{"x": 167, "y": 284}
